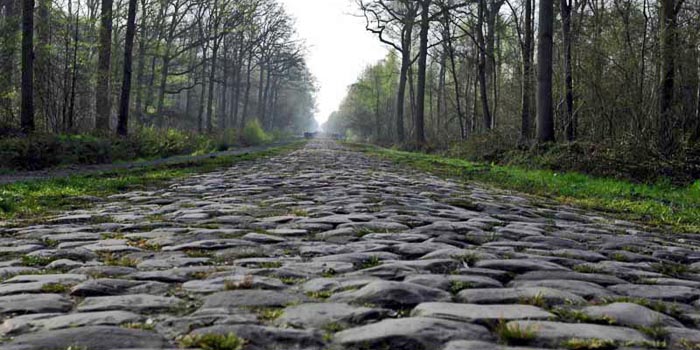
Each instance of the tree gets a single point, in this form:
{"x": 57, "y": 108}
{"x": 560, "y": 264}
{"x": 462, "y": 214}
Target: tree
{"x": 483, "y": 78}
{"x": 565, "y": 7}
{"x": 419, "y": 122}
{"x": 103, "y": 100}
{"x": 545, "y": 112}
{"x": 394, "y": 18}
{"x": 27, "y": 119}
{"x": 124, "y": 105}
{"x": 668, "y": 18}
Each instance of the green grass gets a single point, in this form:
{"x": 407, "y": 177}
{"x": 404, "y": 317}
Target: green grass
{"x": 33, "y": 199}
{"x": 212, "y": 342}
{"x": 663, "y": 205}
{"x": 514, "y": 334}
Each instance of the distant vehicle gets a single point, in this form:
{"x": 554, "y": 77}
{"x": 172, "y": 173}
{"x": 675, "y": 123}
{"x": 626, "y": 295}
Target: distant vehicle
{"x": 310, "y": 135}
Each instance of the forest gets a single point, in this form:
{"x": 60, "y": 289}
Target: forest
{"x": 147, "y": 70}
{"x": 605, "y": 86}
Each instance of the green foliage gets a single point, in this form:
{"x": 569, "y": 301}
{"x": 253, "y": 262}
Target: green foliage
{"x": 253, "y": 134}
{"x": 660, "y": 204}
{"x": 43, "y": 151}
{"x": 514, "y": 334}
{"x": 590, "y": 344}
{"x": 213, "y": 342}
{"x": 55, "y": 288}
{"x": 635, "y": 161}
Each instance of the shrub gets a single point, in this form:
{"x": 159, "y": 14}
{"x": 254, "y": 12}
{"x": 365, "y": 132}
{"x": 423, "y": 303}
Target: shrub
{"x": 253, "y": 134}
{"x": 226, "y": 139}
{"x": 213, "y": 342}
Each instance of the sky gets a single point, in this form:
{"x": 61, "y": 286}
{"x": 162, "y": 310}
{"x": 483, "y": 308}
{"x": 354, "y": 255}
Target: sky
{"x": 339, "y": 47}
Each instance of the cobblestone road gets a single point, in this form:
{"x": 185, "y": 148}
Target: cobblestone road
{"x": 326, "y": 248}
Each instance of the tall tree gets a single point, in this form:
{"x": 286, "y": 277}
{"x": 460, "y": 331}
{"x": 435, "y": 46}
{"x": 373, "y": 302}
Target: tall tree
{"x": 124, "y": 105}
{"x": 394, "y": 18}
{"x": 668, "y": 22}
{"x": 103, "y": 100}
{"x": 419, "y": 120}
{"x": 27, "y": 112}
{"x": 565, "y": 8}
{"x": 545, "y": 111}
{"x": 483, "y": 62}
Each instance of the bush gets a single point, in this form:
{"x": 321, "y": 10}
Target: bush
{"x": 253, "y": 134}
{"x": 625, "y": 159}
{"x": 43, "y": 151}
{"x": 226, "y": 139}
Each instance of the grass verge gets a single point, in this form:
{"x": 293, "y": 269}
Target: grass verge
{"x": 661, "y": 205}
{"x": 34, "y": 199}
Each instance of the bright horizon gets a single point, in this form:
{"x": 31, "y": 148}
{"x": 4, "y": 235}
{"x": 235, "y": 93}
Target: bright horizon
{"x": 338, "y": 46}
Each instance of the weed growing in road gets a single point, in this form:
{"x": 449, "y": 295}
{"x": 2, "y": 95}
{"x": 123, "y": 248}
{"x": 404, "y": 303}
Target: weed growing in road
{"x": 457, "y": 286}
{"x": 587, "y": 268}
{"x": 292, "y": 281}
{"x": 55, "y": 288}
{"x": 320, "y": 295}
{"x": 538, "y": 300}
{"x": 112, "y": 259}
{"x": 372, "y": 261}
{"x": 198, "y": 253}
{"x": 515, "y": 334}
{"x": 246, "y": 283}
{"x": 671, "y": 269}
{"x": 268, "y": 314}
{"x": 686, "y": 344}
{"x": 212, "y": 342}
{"x": 270, "y": 265}
{"x": 656, "y": 331}
{"x": 37, "y": 261}
{"x": 578, "y": 316}
{"x": 299, "y": 212}
{"x": 143, "y": 244}
{"x": 590, "y": 344}
{"x": 330, "y": 329}
{"x": 144, "y": 326}
{"x": 328, "y": 273}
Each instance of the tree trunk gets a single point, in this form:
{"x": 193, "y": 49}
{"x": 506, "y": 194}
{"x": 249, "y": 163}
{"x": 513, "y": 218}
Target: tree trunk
{"x": 74, "y": 80}
{"x": 491, "y": 13}
{"x": 422, "y": 68}
{"x": 222, "y": 107}
{"x": 200, "y": 113}
{"x": 246, "y": 97}
{"x": 265, "y": 97}
{"x": 103, "y": 105}
{"x": 27, "y": 111}
{"x": 526, "y": 93}
{"x": 545, "y": 112}
{"x": 212, "y": 80}
{"x": 42, "y": 65}
{"x": 667, "y": 28}
{"x": 123, "y": 121}
{"x": 141, "y": 65}
{"x": 565, "y": 8}
{"x": 483, "y": 79}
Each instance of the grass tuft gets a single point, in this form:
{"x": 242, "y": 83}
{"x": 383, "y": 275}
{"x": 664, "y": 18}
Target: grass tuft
{"x": 213, "y": 342}
{"x": 514, "y": 334}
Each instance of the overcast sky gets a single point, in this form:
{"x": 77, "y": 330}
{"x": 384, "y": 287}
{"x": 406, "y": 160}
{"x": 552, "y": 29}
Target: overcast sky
{"x": 339, "y": 48}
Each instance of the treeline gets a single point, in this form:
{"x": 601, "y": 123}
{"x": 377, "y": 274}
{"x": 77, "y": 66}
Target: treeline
{"x": 104, "y": 65}
{"x": 624, "y": 73}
